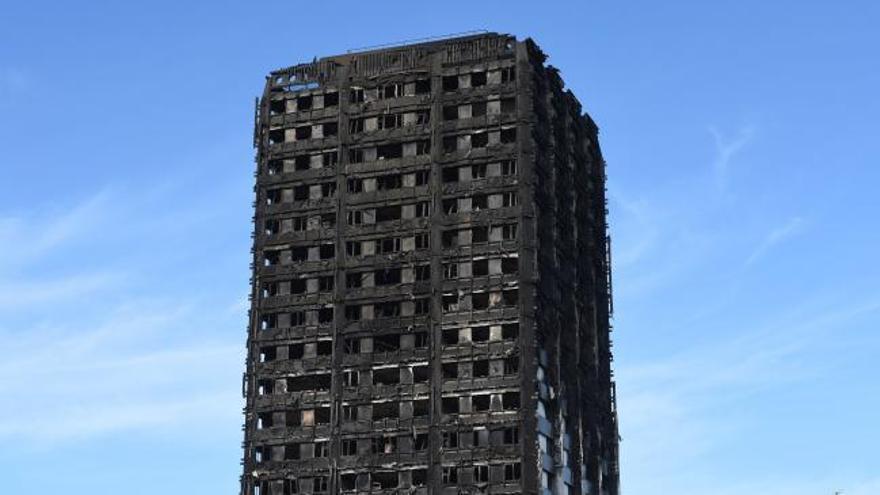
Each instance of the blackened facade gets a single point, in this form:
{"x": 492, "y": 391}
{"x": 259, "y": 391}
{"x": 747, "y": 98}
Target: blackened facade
{"x": 431, "y": 279}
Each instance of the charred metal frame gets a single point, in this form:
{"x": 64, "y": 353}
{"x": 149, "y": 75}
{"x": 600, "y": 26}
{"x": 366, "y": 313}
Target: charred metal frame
{"x": 431, "y": 290}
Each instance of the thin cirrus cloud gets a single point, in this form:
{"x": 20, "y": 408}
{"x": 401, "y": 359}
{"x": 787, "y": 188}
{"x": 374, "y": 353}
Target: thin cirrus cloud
{"x": 659, "y": 235}
{"x": 726, "y": 149}
{"x": 685, "y": 410}
{"x": 680, "y": 409}
{"x": 126, "y": 373}
{"x": 30, "y": 292}
{"x": 25, "y": 238}
{"x": 128, "y": 370}
{"x": 105, "y": 358}
{"x": 791, "y": 228}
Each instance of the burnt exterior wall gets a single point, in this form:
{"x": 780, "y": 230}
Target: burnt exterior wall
{"x": 431, "y": 282}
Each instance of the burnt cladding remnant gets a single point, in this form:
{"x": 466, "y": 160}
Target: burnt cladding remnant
{"x": 431, "y": 279}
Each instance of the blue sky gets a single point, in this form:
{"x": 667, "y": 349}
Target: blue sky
{"x": 742, "y": 143}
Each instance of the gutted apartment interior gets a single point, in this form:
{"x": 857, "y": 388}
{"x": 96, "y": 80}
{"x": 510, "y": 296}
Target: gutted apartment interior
{"x": 431, "y": 284}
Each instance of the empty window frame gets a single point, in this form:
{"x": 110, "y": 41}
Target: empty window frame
{"x": 480, "y": 268}
{"x": 317, "y": 382}
{"x": 354, "y": 280}
{"x": 386, "y": 376}
{"x": 421, "y": 374}
{"x": 479, "y": 235}
{"x": 480, "y": 334}
{"x": 390, "y": 181}
{"x": 450, "y": 302}
{"x": 322, "y": 448}
{"x": 349, "y": 448}
{"x": 508, "y": 74}
{"x": 352, "y": 345}
{"x": 511, "y": 365}
{"x": 481, "y": 473}
{"x": 389, "y": 151}
{"x": 325, "y": 284}
{"x": 422, "y": 177}
{"x": 478, "y": 109}
{"x": 450, "y": 370}
{"x": 320, "y": 484}
{"x": 510, "y": 435}
{"x": 481, "y": 402}
{"x": 265, "y": 420}
{"x": 479, "y": 139}
{"x": 422, "y": 86}
{"x": 418, "y": 477}
{"x": 509, "y": 265}
{"x": 276, "y": 107}
{"x": 355, "y": 185}
{"x": 387, "y": 276}
{"x": 422, "y": 306}
{"x": 512, "y": 472}
{"x": 423, "y": 241}
{"x": 421, "y": 408}
{"x": 480, "y": 368}
{"x": 350, "y": 413}
{"x": 450, "y": 271}
{"x": 388, "y": 213}
{"x": 353, "y": 312}
{"x": 449, "y": 475}
{"x": 422, "y": 272}
{"x": 385, "y": 410}
{"x": 509, "y": 232}
{"x": 384, "y": 444}
{"x": 390, "y": 121}
{"x": 508, "y": 105}
{"x": 450, "y": 439}
{"x": 392, "y": 90}
{"x": 386, "y": 343}
{"x": 304, "y": 103}
{"x": 450, "y": 83}
{"x": 350, "y": 378}
{"x": 449, "y": 405}
{"x": 389, "y": 245}
{"x": 384, "y": 480}
{"x": 422, "y": 209}
{"x": 353, "y": 248}
{"x": 450, "y": 337}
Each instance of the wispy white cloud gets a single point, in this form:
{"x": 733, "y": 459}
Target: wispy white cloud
{"x": 26, "y": 237}
{"x": 27, "y": 292}
{"x": 113, "y": 359}
{"x": 664, "y": 233}
{"x": 864, "y": 487}
{"x": 78, "y": 421}
{"x": 680, "y": 410}
{"x": 128, "y": 371}
{"x": 726, "y": 149}
{"x": 791, "y": 228}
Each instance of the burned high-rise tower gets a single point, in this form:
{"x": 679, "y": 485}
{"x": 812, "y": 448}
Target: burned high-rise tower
{"x": 431, "y": 279}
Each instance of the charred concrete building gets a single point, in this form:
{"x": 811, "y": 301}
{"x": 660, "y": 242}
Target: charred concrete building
{"x": 431, "y": 278}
